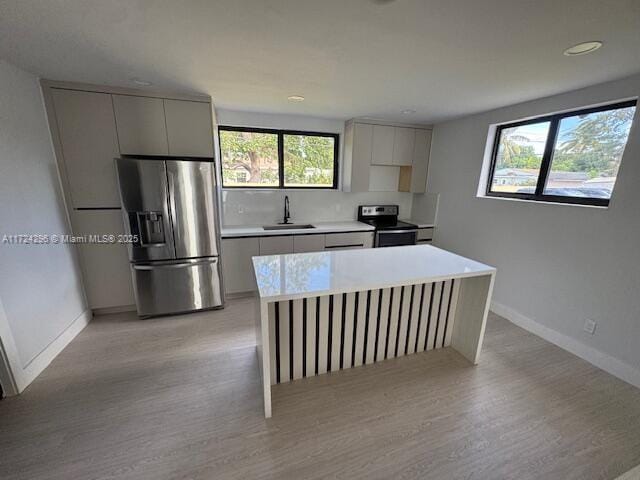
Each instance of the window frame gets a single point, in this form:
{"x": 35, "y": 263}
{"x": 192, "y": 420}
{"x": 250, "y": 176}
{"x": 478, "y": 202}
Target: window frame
{"x": 545, "y": 166}
{"x": 280, "y": 135}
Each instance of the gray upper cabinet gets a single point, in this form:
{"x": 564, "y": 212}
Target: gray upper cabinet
{"x": 189, "y": 128}
{"x": 89, "y": 143}
{"x": 382, "y": 145}
{"x": 141, "y": 125}
{"x": 403, "y": 146}
{"x": 420, "y": 161}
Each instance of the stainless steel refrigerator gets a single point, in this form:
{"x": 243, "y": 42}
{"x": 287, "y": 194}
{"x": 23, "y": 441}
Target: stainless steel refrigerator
{"x": 169, "y": 207}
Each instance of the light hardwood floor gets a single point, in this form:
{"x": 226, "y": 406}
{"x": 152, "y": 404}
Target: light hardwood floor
{"x": 180, "y": 398}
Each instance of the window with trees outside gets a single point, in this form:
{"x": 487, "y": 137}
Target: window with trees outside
{"x": 570, "y": 157}
{"x": 265, "y": 158}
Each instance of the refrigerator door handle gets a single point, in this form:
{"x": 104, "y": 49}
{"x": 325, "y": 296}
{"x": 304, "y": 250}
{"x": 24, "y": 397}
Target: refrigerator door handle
{"x": 174, "y": 265}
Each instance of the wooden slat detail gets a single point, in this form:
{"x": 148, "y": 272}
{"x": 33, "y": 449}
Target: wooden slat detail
{"x": 360, "y": 330}
{"x": 452, "y": 312}
{"x": 336, "y": 332}
{"x": 444, "y": 308}
{"x": 433, "y": 318}
{"x": 392, "y": 328}
{"x": 323, "y": 334}
{"x": 403, "y": 319}
{"x": 383, "y": 309}
{"x": 310, "y": 364}
{"x": 297, "y": 339}
{"x": 424, "y": 318}
{"x": 371, "y": 331}
{"x": 347, "y": 334}
{"x": 284, "y": 341}
{"x": 272, "y": 341}
{"x": 414, "y": 312}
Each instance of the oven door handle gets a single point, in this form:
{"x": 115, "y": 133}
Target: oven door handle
{"x": 380, "y": 232}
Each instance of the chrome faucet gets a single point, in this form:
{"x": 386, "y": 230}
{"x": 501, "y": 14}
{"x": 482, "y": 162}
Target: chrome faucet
{"x": 287, "y": 215}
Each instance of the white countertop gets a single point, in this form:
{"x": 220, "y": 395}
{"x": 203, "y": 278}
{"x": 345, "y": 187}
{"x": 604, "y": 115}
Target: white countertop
{"x": 321, "y": 227}
{"x": 419, "y": 224}
{"x": 299, "y": 275}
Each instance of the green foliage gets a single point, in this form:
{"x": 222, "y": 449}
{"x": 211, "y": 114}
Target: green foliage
{"x": 308, "y": 160}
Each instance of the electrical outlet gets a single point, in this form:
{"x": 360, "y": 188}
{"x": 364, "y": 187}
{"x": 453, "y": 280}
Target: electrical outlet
{"x": 589, "y": 326}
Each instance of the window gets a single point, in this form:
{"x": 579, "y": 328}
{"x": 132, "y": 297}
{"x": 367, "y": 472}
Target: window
{"x": 264, "y": 158}
{"x": 570, "y": 157}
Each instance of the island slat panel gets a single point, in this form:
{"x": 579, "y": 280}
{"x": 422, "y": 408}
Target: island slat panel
{"x": 316, "y": 335}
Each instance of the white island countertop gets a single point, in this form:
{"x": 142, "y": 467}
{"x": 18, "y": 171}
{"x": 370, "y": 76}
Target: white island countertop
{"x": 299, "y": 275}
{"x": 320, "y": 227}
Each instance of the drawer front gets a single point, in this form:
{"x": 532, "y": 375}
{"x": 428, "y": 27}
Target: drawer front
{"x": 276, "y": 245}
{"x": 176, "y": 287}
{"x": 352, "y": 239}
{"x": 425, "y": 234}
{"x": 308, "y": 243}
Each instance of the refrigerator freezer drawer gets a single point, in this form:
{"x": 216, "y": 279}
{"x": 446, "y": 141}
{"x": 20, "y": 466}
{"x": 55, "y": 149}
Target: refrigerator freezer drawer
{"x": 163, "y": 288}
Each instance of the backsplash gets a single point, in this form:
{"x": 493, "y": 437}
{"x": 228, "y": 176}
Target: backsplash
{"x": 248, "y": 207}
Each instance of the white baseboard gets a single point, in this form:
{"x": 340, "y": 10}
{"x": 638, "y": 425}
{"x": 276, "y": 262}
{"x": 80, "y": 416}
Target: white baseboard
{"x": 28, "y": 374}
{"x": 601, "y": 360}
{"x": 110, "y": 310}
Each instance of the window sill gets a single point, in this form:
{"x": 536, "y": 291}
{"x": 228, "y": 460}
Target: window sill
{"x": 560, "y": 204}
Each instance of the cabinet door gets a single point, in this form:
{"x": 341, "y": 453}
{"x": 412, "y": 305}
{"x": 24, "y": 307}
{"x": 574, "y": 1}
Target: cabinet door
{"x": 420, "y": 161}
{"x": 382, "y": 146}
{"x": 141, "y": 125}
{"x": 237, "y": 268}
{"x": 189, "y": 129}
{"x": 308, "y": 243}
{"x": 105, "y": 267}
{"x": 276, "y": 245}
{"x": 341, "y": 241}
{"x": 361, "y": 156}
{"x": 89, "y": 142}
{"x": 384, "y": 179}
{"x": 403, "y": 146}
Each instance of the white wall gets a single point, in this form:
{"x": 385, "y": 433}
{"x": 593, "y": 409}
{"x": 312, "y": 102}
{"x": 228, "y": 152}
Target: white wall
{"x": 557, "y": 265}
{"x": 253, "y": 207}
{"x": 40, "y": 285}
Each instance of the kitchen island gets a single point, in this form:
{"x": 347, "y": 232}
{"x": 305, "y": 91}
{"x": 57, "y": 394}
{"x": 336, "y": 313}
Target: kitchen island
{"x": 327, "y": 311}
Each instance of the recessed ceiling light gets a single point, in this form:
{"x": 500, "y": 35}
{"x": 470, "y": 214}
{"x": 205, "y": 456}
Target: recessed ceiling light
{"x": 582, "y": 48}
{"x": 295, "y": 98}
{"x": 142, "y": 83}
{"x": 408, "y": 111}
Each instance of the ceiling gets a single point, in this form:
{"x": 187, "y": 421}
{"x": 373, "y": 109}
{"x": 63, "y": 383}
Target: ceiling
{"x": 349, "y": 58}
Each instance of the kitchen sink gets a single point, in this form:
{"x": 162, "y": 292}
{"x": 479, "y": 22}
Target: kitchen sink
{"x": 289, "y": 226}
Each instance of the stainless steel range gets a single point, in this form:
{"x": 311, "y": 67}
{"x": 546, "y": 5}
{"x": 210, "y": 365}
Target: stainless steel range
{"x": 390, "y": 232}
{"x": 169, "y": 207}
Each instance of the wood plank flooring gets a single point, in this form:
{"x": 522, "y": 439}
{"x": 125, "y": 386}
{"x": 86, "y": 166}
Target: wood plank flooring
{"x": 180, "y": 398}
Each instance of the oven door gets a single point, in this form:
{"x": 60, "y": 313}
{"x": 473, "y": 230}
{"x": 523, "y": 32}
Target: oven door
{"x": 395, "y": 238}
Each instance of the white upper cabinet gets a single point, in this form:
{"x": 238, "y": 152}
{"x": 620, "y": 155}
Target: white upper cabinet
{"x": 141, "y": 125}
{"x": 358, "y": 142}
{"x": 189, "y": 128}
{"x": 89, "y": 143}
{"x": 382, "y": 147}
{"x": 420, "y": 161}
{"x": 385, "y": 158}
{"x": 403, "y": 146}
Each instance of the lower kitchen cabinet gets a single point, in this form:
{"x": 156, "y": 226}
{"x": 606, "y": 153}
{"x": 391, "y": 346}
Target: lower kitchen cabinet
{"x": 425, "y": 235}
{"x": 308, "y": 243}
{"x": 105, "y": 266}
{"x": 341, "y": 241}
{"x": 237, "y": 268}
{"x": 276, "y": 245}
